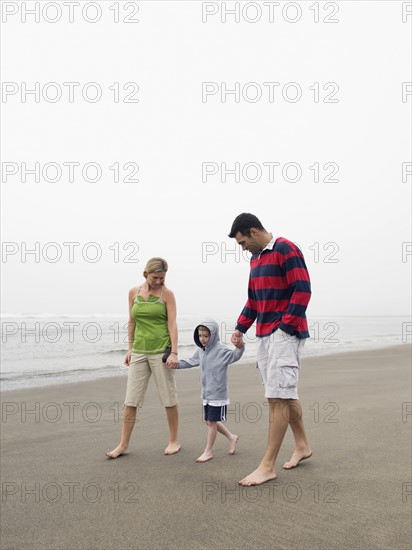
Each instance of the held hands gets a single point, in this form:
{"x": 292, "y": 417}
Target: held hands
{"x": 172, "y": 361}
{"x": 237, "y": 339}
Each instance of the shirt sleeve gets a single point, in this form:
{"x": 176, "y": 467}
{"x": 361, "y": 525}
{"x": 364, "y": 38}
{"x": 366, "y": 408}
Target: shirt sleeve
{"x": 298, "y": 280}
{"x": 232, "y": 355}
{"x": 188, "y": 363}
{"x": 248, "y": 314}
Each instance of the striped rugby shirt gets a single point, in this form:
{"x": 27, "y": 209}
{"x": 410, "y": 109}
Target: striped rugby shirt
{"x": 279, "y": 291}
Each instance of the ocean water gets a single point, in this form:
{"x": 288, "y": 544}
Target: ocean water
{"x": 45, "y": 350}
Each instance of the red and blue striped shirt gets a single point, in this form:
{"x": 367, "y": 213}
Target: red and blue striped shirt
{"x": 279, "y": 291}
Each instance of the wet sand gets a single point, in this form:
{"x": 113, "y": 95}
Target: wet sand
{"x": 59, "y": 491}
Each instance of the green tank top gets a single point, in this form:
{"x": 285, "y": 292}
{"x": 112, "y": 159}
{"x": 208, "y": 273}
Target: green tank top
{"x": 151, "y": 334}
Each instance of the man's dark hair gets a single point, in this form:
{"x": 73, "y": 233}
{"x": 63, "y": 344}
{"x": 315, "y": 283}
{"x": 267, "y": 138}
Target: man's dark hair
{"x": 243, "y": 224}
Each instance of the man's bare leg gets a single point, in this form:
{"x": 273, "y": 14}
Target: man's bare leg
{"x": 221, "y": 428}
{"x": 278, "y": 424}
{"x": 173, "y": 421}
{"x": 302, "y": 450}
{"x": 129, "y": 420}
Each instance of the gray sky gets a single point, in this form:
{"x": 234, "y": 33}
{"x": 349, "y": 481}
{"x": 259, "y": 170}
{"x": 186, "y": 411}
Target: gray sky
{"x": 312, "y": 119}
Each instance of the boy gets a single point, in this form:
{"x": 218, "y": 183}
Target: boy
{"x": 214, "y": 359}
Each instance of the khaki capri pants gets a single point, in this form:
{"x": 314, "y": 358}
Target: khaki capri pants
{"x": 141, "y": 367}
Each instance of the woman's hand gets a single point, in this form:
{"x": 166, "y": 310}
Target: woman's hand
{"x": 127, "y": 358}
{"x": 172, "y": 361}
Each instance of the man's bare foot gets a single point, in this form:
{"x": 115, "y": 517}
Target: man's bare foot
{"x": 258, "y": 477}
{"x": 296, "y": 458}
{"x": 207, "y": 455}
{"x": 172, "y": 449}
{"x": 232, "y": 446}
{"x": 118, "y": 451}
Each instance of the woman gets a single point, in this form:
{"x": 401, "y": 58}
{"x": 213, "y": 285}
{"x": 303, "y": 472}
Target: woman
{"x": 151, "y": 329}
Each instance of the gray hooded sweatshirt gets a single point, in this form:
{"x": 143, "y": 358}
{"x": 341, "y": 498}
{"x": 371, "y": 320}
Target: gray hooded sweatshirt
{"x": 213, "y": 361}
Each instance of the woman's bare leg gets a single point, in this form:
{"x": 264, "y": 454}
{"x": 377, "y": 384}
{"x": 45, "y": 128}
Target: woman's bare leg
{"x": 173, "y": 422}
{"x": 129, "y": 420}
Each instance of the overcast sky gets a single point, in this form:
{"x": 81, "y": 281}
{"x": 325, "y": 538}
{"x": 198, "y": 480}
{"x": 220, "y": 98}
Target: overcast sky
{"x": 312, "y": 119}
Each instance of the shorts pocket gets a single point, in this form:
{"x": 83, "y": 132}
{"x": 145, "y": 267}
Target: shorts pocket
{"x": 284, "y": 335}
{"x": 288, "y": 374}
{"x": 260, "y": 374}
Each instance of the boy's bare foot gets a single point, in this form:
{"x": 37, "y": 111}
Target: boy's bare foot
{"x": 296, "y": 458}
{"x": 172, "y": 449}
{"x": 232, "y": 446}
{"x": 207, "y": 455}
{"x": 118, "y": 451}
{"x": 259, "y": 476}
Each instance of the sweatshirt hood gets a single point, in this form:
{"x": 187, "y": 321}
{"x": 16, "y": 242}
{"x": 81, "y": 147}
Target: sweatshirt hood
{"x": 214, "y": 333}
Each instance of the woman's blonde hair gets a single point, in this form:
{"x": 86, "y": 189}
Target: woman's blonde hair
{"x": 155, "y": 264}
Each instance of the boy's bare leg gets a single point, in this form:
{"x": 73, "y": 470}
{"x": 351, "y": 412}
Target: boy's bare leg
{"x": 221, "y": 428}
{"x": 211, "y": 437}
{"x": 302, "y": 450}
{"x": 129, "y": 420}
{"x": 173, "y": 421}
{"x": 278, "y": 424}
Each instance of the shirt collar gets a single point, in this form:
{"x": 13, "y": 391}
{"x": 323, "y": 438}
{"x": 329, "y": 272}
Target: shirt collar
{"x": 270, "y": 244}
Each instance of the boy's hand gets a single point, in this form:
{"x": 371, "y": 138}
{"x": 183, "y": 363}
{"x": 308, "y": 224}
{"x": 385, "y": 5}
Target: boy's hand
{"x": 237, "y": 339}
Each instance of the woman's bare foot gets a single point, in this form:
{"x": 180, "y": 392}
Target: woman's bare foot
{"x": 118, "y": 451}
{"x": 297, "y": 457}
{"x": 207, "y": 455}
{"x": 172, "y": 449}
{"x": 232, "y": 446}
{"x": 259, "y": 476}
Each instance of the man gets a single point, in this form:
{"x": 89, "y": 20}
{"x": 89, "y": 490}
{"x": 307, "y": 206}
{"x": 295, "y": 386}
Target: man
{"x": 278, "y": 294}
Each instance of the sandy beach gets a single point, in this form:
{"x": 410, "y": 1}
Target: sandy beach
{"x": 59, "y": 491}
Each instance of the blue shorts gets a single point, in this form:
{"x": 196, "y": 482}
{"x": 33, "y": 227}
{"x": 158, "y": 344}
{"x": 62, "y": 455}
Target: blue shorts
{"x": 214, "y": 414}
